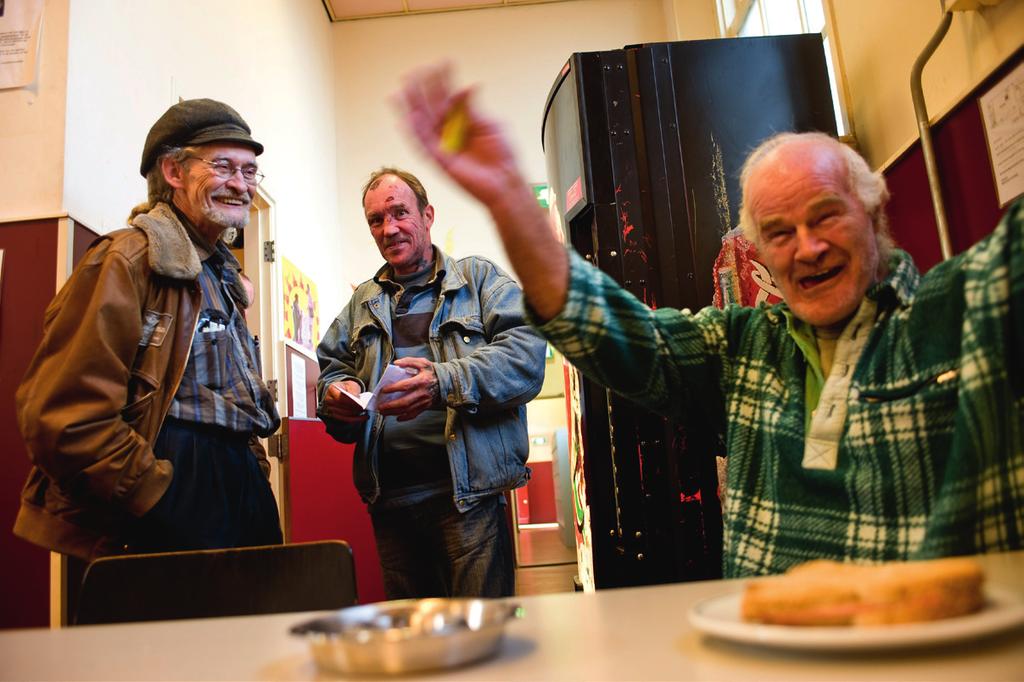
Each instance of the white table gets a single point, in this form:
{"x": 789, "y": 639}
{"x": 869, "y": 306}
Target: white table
{"x": 625, "y": 634}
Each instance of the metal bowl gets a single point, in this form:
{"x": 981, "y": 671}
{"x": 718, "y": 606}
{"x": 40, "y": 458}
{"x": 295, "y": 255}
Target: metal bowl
{"x": 408, "y": 635}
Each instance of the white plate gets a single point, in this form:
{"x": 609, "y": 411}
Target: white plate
{"x": 720, "y": 616}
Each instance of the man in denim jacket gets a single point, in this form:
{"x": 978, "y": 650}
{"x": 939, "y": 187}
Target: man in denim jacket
{"x": 435, "y": 454}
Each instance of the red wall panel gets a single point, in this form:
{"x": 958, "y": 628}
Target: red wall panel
{"x": 968, "y": 188}
{"x": 542, "y": 494}
{"x": 29, "y": 282}
{"x": 324, "y": 504}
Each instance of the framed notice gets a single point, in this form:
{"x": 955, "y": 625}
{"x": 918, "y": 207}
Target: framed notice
{"x": 301, "y": 374}
{"x": 1002, "y": 115}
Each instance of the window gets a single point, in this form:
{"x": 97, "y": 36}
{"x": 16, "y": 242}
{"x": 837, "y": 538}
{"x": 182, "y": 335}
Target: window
{"x": 742, "y": 18}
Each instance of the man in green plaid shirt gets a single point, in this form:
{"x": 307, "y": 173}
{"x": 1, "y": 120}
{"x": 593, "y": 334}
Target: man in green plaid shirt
{"x": 875, "y": 415}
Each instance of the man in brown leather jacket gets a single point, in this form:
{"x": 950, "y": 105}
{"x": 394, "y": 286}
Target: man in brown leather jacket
{"x": 142, "y": 400}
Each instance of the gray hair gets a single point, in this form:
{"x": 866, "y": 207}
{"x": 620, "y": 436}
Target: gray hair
{"x": 869, "y": 187}
{"x": 157, "y": 189}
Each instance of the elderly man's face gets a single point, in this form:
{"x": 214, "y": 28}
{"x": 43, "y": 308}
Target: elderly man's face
{"x": 815, "y": 235}
{"x": 211, "y": 202}
{"x": 401, "y": 231}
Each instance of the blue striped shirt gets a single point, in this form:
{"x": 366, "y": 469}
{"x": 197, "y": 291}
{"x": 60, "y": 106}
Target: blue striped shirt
{"x": 222, "y": 383}
{"x": 413, "y": 458}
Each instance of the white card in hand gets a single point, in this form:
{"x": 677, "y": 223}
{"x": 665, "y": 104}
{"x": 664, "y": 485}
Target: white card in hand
{"x": 368, "y": 399}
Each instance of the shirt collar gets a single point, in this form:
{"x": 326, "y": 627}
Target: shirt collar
{"x": 203, "y": 247}
{"x": 900, "y": 285}
{"x": 896, "y": 288}
{"x": 216, "y": 253}
{"x": 385, "y": 277}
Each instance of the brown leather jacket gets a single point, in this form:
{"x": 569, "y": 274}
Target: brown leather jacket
{"x": 116, "y": 339}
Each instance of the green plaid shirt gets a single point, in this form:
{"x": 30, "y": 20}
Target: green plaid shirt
{"x": 930, "y": 449}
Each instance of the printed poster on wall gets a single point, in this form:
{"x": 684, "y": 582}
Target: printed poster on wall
{"x": 301, "y": 307}
{"x": 1002, "y": 113}
{"x": 20, "y": 22}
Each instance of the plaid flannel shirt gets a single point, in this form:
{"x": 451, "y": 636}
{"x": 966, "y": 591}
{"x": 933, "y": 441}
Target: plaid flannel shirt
{"x": 223, "y": 383}
{"x": 930, "y": 458}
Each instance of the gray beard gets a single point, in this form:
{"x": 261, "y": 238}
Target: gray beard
{"x": 218, "y": 218}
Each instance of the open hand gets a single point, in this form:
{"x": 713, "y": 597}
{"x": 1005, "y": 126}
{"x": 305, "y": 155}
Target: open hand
{"x": 482, "y": 162}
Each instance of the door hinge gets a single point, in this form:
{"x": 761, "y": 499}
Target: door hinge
{"x": 269, "y": 252}
{"x": 277, "y": 446}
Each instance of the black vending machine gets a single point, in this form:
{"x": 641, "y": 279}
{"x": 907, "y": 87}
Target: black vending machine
{"x": 643, "y": 148}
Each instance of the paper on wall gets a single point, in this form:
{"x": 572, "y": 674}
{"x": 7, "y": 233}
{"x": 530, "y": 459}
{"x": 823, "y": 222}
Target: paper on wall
{"x": 298, "y": 379}
{"x": 1002, "y": 112}
{"x": 20, "y": 23}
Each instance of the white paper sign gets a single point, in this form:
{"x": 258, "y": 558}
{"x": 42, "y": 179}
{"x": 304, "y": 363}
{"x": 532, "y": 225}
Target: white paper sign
{"x": 298, "y": 385}
{"x": 20, "y": 21}
{"x": 1002, "y": 111}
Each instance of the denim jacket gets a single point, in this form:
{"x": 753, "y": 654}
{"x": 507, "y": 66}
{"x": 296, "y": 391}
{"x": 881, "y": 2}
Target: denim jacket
{"x": 491, "y": 363}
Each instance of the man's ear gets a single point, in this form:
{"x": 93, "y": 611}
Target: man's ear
{"x": 174, "y": 172}
{"x": 428, "y": 216}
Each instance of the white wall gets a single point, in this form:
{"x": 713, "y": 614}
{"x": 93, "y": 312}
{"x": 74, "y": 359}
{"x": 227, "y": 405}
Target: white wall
{"x": 880, "y": 39}
{"x": 31, "y": 135}
{"x": 271, "y": 60}
{"x": 691, "y": 19}
{"x": 513, "y": 53}
{"x": 317, "y": 95}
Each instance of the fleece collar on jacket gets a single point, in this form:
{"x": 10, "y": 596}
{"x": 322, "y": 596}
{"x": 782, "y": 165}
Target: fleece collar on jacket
{"x": 171, "y": 252}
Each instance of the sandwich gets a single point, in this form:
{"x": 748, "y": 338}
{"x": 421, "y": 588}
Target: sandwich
{"x": 832, "y": 593}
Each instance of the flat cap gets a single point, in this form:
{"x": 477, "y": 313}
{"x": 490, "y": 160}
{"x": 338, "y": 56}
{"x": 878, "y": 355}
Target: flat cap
{"x": 195, "y": 121}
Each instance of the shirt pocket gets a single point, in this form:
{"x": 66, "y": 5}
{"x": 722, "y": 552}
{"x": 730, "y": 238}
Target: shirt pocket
{"x": 211, "y": 349}
{"x": 904, "y": 409}
{"x": 464, "y": 335}
{"x": 364, "y": 344}
{"x": 929, "y": 385}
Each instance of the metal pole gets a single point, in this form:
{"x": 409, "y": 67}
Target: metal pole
{"x": 921, "y": 110}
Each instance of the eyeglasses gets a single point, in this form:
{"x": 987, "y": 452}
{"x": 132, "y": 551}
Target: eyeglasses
{"x": 223, "y": 169}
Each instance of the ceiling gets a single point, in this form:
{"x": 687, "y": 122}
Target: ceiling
{"x": 352, "y": 10}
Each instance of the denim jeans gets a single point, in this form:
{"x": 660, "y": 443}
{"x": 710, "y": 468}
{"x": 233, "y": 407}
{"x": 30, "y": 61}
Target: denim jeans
{"x": 429, "y": 549}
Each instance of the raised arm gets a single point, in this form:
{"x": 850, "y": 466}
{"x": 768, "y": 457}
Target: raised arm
{"x": 481, "y": 161}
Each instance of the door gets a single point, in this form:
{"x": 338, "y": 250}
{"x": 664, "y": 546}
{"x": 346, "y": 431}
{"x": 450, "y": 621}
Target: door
{"x": 259, "y": 264}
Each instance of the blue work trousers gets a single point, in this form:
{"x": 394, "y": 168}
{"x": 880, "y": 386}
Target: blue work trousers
{"x": 218, "y": 498}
